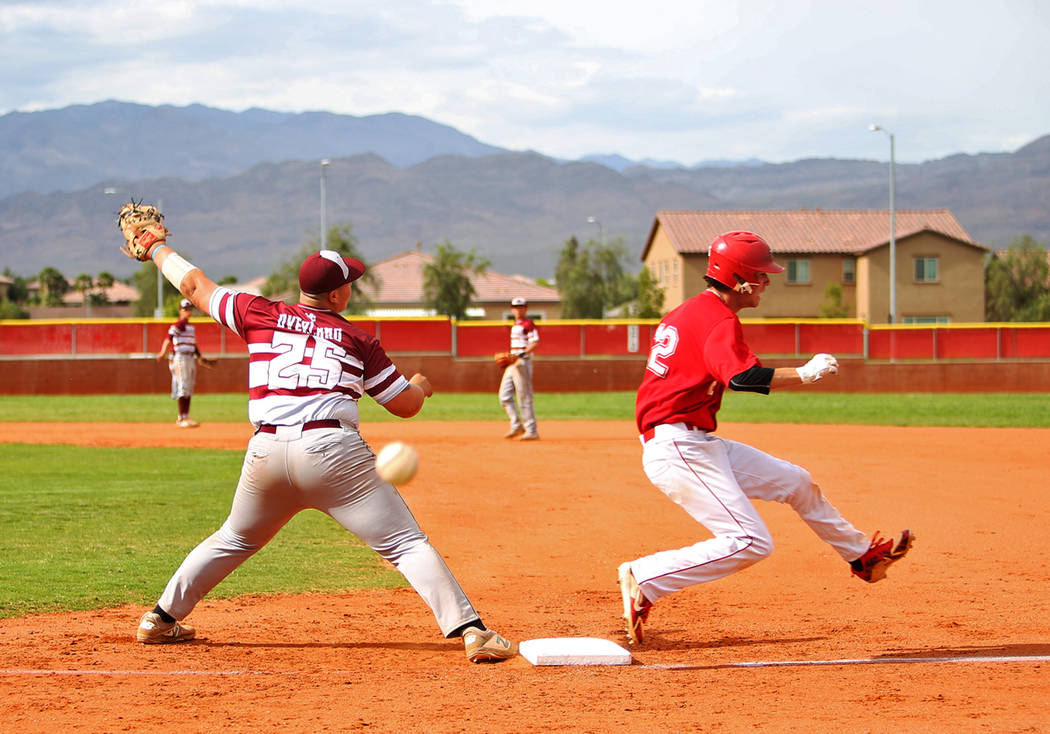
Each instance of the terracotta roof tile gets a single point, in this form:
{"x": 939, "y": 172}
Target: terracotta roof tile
{"x": 401, "y": 281}
{"x": 806, "y": 230}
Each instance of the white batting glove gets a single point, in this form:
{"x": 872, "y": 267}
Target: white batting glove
{"x": 820, "y": 365}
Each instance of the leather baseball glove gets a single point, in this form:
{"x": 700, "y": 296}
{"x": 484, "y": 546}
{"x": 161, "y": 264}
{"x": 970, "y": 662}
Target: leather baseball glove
{"x": 142, "y": 227}
{"x": 208, "y": 362}
{"x": 504, "y": 359}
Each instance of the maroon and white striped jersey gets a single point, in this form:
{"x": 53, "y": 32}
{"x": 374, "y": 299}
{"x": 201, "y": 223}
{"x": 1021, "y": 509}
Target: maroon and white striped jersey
{"x": 183, "y": 337}
{"x": 305, "y": 363}
{"x": 522, "y": 334}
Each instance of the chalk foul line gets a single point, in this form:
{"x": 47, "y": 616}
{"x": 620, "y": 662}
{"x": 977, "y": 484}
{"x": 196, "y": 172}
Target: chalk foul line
{"x": 858, "y": 661}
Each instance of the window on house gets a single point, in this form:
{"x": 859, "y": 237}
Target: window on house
{"x": 798, "y": 271}
{"x": 674, "y": 271}
{"x": 926, "y": 270}
{"x": 926, "y": 320}
{"x": 849, "y": 271}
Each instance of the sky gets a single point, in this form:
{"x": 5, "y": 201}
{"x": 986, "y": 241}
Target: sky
{"x": 672, "y": 80}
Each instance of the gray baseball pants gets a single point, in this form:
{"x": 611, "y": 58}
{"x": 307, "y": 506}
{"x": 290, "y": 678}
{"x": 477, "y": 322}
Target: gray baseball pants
{"x": 331, "y": 470}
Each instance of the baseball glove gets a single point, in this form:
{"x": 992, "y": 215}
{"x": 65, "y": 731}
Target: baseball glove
{"x": 143, "y": 227}
{"x": 208, "y": 362}
{"x": 504, "y": 359}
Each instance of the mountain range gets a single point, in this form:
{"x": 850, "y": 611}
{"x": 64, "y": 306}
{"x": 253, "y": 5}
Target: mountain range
{"x": 241, "y": 191}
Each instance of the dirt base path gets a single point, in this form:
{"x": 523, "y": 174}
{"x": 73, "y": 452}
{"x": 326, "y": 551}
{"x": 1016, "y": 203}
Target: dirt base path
{"x": 534, "y": 531}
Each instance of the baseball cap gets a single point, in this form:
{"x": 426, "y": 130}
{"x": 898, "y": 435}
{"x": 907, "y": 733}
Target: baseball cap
{"x": 327, "y": 270}
{"x": 184, "y": 303}
{"x": 519, "y": 301}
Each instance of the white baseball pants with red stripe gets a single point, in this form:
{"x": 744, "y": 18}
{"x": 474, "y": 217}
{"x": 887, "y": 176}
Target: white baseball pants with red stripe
{"x": 714, "y": 480}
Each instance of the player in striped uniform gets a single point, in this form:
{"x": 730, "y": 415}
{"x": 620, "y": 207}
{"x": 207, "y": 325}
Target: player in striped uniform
{"x": 517, "y": 378}
{"x": 308, "y": 367}
{"x": 180, "y": 346}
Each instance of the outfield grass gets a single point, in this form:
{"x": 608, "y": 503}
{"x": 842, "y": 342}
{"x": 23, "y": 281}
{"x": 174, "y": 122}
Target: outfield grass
{"x": 88, "y": 528}
{"x": 798, "y": 406}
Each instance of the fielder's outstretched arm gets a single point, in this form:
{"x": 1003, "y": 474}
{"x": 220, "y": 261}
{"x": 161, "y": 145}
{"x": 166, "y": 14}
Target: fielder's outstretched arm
{"x": 189, "y": 279}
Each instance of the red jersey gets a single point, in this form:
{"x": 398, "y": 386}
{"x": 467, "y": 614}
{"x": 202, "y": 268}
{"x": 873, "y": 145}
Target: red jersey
{"x": 697, "y": 349}
{"x": 305, "y": 363}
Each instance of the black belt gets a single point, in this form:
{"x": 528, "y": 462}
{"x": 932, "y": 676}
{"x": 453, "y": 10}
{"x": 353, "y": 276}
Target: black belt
{"x": 267, "y": 428}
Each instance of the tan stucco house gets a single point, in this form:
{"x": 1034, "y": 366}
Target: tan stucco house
{"x": 940, "y": 268}
{"x": 400, "y": 291}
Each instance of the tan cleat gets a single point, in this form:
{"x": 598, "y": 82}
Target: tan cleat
{"x": 530, "y": 437}
{"x": 514, "y": 432}
{"x": 155, "y": 631}
{"x": 187, "y": 423}
{"x": 635, "y": 606}
{"x": 487, "y": 646}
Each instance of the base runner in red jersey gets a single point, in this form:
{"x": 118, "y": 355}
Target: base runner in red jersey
{"x": 698, "y": 351}
{"x": 308, "y": 367}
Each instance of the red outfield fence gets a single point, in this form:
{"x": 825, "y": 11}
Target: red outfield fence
{"x": 581, "y": 339}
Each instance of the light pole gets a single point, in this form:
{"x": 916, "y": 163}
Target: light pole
{"x": 601, "y": 232}
{"x": 158, "y": 312}
{"x": 324, "y": 202}
{"x": 893, "y": 227}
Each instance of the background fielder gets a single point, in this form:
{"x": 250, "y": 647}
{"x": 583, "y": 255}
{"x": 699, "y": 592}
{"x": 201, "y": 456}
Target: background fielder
{"x": 517, "y": 376}
{"x": 181, "y": 345}
{"x": 698, "y": 350}
{"x": 308, "y": 367}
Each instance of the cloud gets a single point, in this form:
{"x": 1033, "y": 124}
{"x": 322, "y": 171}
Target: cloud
{"x": 699, "y": 79}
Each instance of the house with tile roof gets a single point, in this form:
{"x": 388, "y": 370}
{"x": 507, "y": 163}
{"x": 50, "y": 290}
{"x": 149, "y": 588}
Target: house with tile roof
{"x": 399, "y": 291}
{"x": 940, "y": 268}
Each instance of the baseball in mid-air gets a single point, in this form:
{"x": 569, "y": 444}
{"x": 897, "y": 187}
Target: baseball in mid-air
{"x": 397, "y": 462}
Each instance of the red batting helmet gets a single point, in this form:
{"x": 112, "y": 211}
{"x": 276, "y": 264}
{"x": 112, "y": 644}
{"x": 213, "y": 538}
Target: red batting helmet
{"x": 736, "y": 258}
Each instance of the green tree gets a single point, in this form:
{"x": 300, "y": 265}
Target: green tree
{"x": 84, "y": 283}
{"x": 648, "y": 302}
{"x": 11, "y": 310}
{"x": 103, "y": 281}
{"x": 145, "y": 282}
{"x": 1017, "y": 283}
{"x": 284, "y": 282}
{"x": 833, "y": 307}
{"x": 447, "y": 286}
{"x": 591, "y": 278}
{"x": 18, "y": 292}
{"x": 53, "y": 285}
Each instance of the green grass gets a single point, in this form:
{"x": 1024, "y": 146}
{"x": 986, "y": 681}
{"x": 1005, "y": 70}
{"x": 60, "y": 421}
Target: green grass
{"x": 85, "y": 528}
{"x": 797, "y": 406}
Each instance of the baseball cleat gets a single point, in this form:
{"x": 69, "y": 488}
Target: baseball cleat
{"x": 187, "y": 423}
{"x": 514, "y": 432}
{"x": 487, "y": 646}
{"x": 530, "y": 437}
{"x": 635, "y": 606}
{"x": 155, "y": 631}
{"x": 881, "y": 554}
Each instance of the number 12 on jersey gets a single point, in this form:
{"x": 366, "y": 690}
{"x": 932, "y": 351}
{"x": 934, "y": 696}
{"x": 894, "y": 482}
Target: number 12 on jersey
{"x": 665, "y": 342}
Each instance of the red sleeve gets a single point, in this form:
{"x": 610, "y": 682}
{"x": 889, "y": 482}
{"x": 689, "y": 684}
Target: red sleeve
{"x": 725, "y": 353}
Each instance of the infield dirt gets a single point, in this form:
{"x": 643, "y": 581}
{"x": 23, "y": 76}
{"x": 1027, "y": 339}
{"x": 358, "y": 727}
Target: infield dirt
{"x": 535, "y": 531}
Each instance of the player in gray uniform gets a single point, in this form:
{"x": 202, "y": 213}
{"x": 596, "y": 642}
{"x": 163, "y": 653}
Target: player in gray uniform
{"x": 182, "y": 343}
{"x": 517, "y": 378}
{"x": 308, "y": 367}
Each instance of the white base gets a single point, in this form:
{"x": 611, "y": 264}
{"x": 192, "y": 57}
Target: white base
{"x": 573, "y": 651}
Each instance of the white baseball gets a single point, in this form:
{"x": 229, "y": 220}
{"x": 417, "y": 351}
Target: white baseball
{"x": 397, "y": 462}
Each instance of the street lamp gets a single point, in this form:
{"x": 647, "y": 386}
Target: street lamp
{"x": 893, "y": 228}
{"x": 601, "y": 232}
{"x": 324, "y": 204}
{"x": 158, "y": 312}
